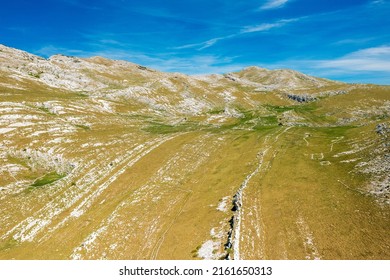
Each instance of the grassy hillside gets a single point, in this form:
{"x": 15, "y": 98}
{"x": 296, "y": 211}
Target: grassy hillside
{"x": 104, "y": 159}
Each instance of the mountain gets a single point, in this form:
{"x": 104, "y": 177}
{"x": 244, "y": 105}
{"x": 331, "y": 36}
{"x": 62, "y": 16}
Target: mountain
{"x": 107, "y": 159}
{"x": 280, "y": 79}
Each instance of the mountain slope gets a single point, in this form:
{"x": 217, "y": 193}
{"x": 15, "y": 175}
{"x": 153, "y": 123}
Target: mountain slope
{"x": 281, "y": 79}
{"x": 104, "y": 159}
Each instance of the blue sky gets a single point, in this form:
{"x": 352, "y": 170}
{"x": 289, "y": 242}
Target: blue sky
{"x": 347, "y": 40}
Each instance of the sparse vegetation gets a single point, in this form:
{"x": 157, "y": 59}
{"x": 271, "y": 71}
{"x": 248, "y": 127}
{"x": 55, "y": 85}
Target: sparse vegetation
{"x": 279, "y": 109}
{"x": 9, "y": 244}
{"x": 47, "y": 179}
{"x": 83, "y": 126}
{"x": 216, "y": 111}
{"x": 160, "y": 128}
{"x": 36, "y": 74}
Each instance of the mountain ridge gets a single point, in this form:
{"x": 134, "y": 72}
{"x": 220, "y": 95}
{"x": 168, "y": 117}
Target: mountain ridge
{"x": 73, "y": 60}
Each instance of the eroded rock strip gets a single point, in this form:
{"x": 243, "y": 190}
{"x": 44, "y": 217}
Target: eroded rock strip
{"x": 232, "y": 245}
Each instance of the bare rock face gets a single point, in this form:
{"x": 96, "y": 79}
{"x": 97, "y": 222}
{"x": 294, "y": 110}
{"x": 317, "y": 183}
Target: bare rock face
{"x": 382, "y": 129}
{"x": 301, "y": 98}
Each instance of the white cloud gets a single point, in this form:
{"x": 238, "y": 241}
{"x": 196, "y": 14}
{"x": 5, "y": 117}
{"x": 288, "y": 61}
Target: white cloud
{"x": 267, "y": 26}
{"x": 273, "y": 4}
{"x": 354, "y": 41}
{"x": 50, "y": 50}
{"x": 110, "y": 42}
{"x": 370, "y": 65}
{"x": 202, "y": 45}
{"x": 209, "y": 43}
{"x": 247, "y": 29}
{"x": 196, "y": 64}
{"x": 261, "y": 27}
{"x": 370, "y": 59}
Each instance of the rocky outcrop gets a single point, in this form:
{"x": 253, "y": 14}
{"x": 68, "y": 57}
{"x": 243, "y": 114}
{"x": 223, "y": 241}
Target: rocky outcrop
{"x": 377, "y": 166}
{"x": 232, "y": 245}
{"x": 301, "y": 98}
{"x": 382, "y": 129}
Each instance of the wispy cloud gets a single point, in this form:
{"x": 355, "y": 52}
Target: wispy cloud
{"x": 261, "y": 27}
{"x": 371, "y": 59}
{"x": 192, "y": 65}
{"x": 375, "y": 59}
{"x": 50, "y": 50}
{"x": 247, "y": 29}
{"x": 110, "y": 42}
{"x": 167, "y": 62}
{"x": 198, "y": 64}
{"x": 273, "y": 4}
{"x": 267, "y": 26}
{"x": 370, "y": 65}
{"x": 378, "y": 1}
{"x": 353, "y": 41}
{"x": 202, "y": 45}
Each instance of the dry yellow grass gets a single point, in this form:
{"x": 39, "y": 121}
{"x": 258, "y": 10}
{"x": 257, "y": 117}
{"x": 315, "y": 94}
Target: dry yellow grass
{"x": 156, "y": 159}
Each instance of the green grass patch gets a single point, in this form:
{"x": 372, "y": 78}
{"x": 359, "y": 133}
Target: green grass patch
{"x": 36, "y": 75}
{"x": 82, "y": 126}
{"x": 263, "y": 128}
{"x": 216, "y": 111}
{"x": 47, "y": 179}
{"x": 305, "y": 108}
{"x": 82, "y": 94}
{"x": 46, "y": 110}
{"x": 254, "y": 117}
{"x": 335, "y": 131}
{"x": 279, "y": 109}
{"x": 19, "y": 161}
{"x": 268, "y": 120}
{"x": 252, "y": 120}
{"x": 301, "y": 108}
{"x": 8, "y": 244}
{"x": 132, "y": 116}
{"x": 160, "y": 128}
